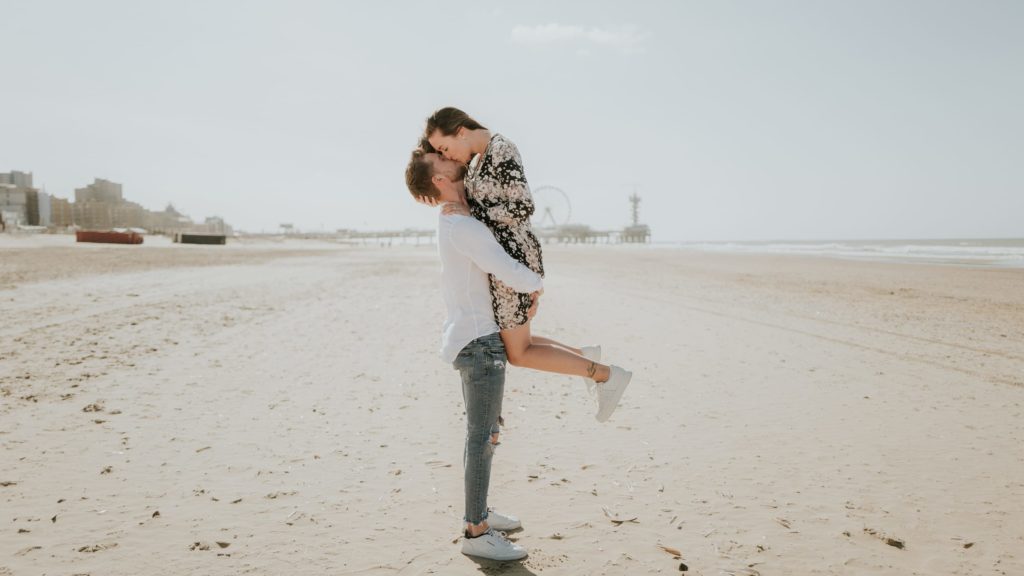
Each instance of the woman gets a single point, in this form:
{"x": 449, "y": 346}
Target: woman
{"x": 499, "y": 196}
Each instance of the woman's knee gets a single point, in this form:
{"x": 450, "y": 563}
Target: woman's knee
{"x": 516, "y": 355}
{"x": 517, "y": 341}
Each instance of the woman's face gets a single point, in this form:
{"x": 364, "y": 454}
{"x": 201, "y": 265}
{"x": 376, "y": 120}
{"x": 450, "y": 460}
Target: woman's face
{"x": 454, "y": 147}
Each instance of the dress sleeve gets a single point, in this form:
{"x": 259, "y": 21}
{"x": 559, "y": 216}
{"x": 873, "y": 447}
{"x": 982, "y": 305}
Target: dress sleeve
{"x": 513, "y": 205}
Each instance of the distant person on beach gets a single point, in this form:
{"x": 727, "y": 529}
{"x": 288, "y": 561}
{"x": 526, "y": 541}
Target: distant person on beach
{"x": 498, "y": 195}
{"x": 471, "y": 258}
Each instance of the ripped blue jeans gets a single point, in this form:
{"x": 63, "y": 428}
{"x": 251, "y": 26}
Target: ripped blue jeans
{"x": 482, "y": 366}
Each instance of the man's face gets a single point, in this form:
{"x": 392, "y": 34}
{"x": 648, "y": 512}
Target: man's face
{"x": 449, "y": 169}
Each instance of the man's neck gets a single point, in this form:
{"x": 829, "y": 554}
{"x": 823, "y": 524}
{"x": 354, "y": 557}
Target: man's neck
{"x": 457, "y": 193}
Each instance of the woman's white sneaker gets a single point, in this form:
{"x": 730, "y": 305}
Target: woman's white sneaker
{"x": 592, "y": 353}
{"x": 492, "y": 545}
{"x": 610, "y": 392}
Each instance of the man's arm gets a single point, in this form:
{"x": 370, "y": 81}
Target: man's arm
{"x": 477, "y": 242}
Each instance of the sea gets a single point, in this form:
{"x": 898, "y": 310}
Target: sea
{"x": 979, "y": 252}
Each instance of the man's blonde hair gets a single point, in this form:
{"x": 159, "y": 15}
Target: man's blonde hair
{"x": 419, "y": 176}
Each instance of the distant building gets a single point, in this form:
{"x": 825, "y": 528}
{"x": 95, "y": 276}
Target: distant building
{"x": 19, "y": 201}
{"x": 168, "y": 220}
{"x": 213, "y": 225}
{"x": 100, "y": 191}
{"x": 13, "y": 205}
{"x": 61, "y": 215}
{"x": 101, "y": 206}
{"x": 97, "y": 206}
{"x": 32, "y": 206}
{"x": 129, "y": 215}
{"x": 44, "y": 208}
{"x": 93, "y": 215}
{"x": 15, "y": 178}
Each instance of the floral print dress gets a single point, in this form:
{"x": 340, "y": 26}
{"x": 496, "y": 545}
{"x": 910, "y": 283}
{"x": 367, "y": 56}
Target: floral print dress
{"x": 499, "y": 196}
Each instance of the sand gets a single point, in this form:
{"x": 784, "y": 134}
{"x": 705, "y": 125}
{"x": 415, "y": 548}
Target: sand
{"x": 281, "y": 409}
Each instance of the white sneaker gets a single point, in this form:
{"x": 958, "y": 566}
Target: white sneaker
{"x": 592, "y": 353}
{"x": 500, "y": 521}
{"x": 492, "y": 545}
{"x": 609, "y": 393}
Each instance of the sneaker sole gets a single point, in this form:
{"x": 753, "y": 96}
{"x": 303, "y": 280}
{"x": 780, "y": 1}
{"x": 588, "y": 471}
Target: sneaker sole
{"x": 508, "y": 559}
{"x": 615, "y": 405}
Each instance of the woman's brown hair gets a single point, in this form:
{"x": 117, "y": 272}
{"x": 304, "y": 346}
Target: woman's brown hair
{"x": 449, "y": 120}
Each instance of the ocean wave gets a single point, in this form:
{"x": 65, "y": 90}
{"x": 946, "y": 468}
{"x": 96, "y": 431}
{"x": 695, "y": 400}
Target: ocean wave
{"x": 995, "y": 253}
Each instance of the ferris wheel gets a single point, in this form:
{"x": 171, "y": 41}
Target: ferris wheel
{"x": 551, "y": 207}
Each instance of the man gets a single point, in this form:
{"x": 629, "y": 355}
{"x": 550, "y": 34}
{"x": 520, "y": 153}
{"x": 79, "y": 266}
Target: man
{"x": 471, "y": 342}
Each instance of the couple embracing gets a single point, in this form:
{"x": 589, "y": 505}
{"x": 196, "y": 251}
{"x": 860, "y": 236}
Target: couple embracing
{"x": 492, "y": 281}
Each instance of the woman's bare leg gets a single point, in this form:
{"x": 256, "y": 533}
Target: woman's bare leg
{"x": 525, "y": 352}
{"x": 550, "y": 342}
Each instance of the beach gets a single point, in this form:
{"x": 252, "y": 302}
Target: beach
{"x": 280, "y": 408}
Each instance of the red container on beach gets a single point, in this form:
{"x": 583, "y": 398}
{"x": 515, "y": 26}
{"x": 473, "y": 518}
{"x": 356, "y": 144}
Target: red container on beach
{"x": 108, "y": 237}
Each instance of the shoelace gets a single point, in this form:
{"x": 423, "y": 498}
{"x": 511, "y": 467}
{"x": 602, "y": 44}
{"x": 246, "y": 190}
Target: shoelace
{"x": 498, "y": 533}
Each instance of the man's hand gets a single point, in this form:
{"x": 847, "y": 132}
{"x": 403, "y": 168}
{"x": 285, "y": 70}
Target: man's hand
{"x": 428, "y": 200}
{"x": 455, "y": 208}
{"x": 536, "y": 304}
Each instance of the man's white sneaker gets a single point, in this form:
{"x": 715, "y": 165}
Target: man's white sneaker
{"x": 609, "y": 393}
{"x": 492, "y": 545}
{"x": 500, "y": 521}
{"x": 592, "y": 353}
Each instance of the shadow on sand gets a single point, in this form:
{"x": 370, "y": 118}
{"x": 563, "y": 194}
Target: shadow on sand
{"x": 513, "y": 568}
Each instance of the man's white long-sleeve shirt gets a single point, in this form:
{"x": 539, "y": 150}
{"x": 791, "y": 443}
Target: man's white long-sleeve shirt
{"x": 469, "y": 253}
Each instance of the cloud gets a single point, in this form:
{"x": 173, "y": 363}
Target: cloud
{"x": 628, "y": 39}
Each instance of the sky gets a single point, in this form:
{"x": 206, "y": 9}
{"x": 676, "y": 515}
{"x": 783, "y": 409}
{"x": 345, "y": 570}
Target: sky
{"x": 748, "y": 120}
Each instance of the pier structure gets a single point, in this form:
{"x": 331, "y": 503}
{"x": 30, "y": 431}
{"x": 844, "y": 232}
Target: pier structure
{"x": 552, "y": 210}
{"x": 356, "y": 237}
{"x": 636, "y": 232}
